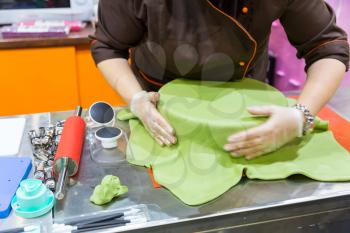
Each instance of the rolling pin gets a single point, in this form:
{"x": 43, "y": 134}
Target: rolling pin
{"x": 69, "y": 150}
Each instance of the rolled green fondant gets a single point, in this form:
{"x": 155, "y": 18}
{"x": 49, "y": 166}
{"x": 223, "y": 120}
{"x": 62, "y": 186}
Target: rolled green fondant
{"x": 204, "y": 114}
{"x": 109, "y": 188}
{"x": 125, "y": 114}
{"x": 321, "y": 124}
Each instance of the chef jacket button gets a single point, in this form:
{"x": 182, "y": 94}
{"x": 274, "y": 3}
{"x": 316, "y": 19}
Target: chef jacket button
{"x": 245, "y": 10}
{"x": 241, "y": 63}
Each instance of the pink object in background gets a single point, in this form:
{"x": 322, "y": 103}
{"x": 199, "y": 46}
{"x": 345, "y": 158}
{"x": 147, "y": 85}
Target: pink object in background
{"x": 290, "y": 73}
{"x": 33, "y": 31}
{"x": 74, "y": 26}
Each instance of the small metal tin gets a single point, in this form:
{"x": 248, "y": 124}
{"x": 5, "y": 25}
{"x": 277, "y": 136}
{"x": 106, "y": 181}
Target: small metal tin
{"x": 101, "y": 113}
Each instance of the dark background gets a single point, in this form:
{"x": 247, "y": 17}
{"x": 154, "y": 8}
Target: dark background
{"x": 33, "y": 4}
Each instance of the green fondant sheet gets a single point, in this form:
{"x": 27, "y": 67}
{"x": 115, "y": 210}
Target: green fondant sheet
{"x": 204, "y": 114}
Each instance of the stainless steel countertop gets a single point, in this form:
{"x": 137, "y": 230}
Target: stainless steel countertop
{"x": 32, "y": 121}
{"x": 249, "y": 196}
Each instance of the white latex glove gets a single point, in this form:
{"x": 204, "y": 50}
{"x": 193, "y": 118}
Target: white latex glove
{"x": 284, "y": 124}
{"x": 143, "y": 105}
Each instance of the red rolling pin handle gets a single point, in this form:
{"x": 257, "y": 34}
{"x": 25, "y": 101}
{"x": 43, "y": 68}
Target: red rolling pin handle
{"x": 72, "y": 140}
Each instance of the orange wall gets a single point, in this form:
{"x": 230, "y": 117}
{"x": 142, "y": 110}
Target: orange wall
{"x": 37, "y": 80}
{"x": 50, "y": 79}
{"x": 92, "y": 86}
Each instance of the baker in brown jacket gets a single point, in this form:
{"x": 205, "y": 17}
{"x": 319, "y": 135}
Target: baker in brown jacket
{"x": 222, "y": 40}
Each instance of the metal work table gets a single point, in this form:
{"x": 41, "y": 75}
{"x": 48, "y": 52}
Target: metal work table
{"x": 297, "y": 204}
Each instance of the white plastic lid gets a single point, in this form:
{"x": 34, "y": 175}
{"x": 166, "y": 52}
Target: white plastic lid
{"x": 108, "y": 136}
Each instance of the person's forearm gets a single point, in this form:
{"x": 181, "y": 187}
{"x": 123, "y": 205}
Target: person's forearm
{"x": 120, "y": 76}
{"x": 324, "y": 77}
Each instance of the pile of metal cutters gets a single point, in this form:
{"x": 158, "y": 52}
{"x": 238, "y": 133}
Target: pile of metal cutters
{"x": 44, "y": 143}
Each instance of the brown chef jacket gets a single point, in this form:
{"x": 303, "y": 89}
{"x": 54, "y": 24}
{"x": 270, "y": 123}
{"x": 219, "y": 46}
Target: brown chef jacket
{"x": 201, "y": 39}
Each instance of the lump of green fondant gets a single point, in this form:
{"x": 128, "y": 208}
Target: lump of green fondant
{"x": 109, "y": 188}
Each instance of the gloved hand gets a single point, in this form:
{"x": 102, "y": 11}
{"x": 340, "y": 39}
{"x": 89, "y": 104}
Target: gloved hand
{"x": 143, "y": 105}
{"x": 283, "y": 125}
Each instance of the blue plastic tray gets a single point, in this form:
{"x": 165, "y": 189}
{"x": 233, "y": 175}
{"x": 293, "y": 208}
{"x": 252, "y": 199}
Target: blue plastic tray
{"x": 12, "y": 171}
